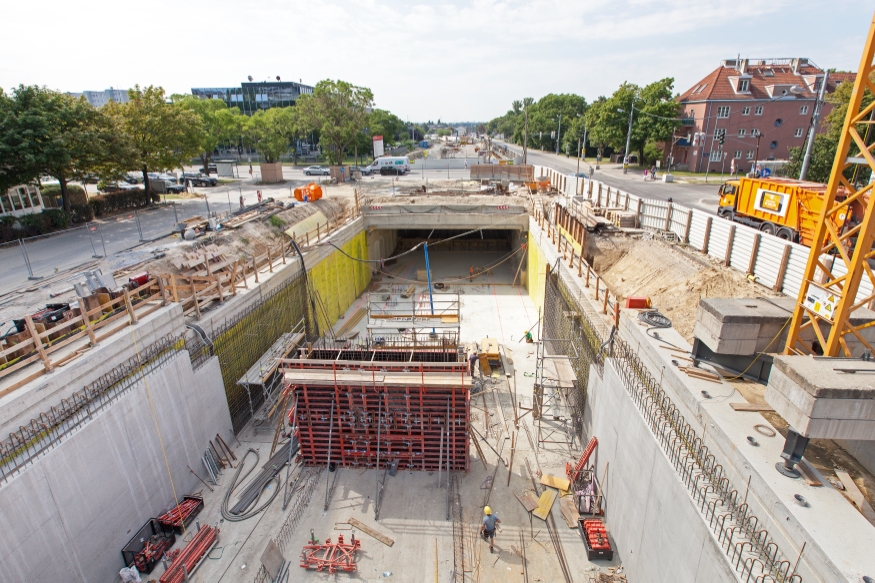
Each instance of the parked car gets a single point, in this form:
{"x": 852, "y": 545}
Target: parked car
{"x": 317, "y": 171}
{"x": 199, "y": 179}
{"x": 174, "y": 187}
{"x": 363, "y": 169}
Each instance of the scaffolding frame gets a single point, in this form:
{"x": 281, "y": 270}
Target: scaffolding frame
{"x": 550, "y": 393}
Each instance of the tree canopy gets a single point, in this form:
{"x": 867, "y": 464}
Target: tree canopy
{"x": 271, "y": 130}
{"x": 46, "y": 132}
{"x": 339, "y": 111}
{"x": 159, "y": 135}
{"x": 218, "y": 123}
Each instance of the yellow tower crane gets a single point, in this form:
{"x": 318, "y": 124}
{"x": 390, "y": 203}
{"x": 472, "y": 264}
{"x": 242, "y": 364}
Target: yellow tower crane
{"x": 841, "y": 258}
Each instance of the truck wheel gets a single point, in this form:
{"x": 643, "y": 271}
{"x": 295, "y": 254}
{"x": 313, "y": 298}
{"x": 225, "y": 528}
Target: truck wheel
{"x": 729, "y": 215}
{"x": 786, "y": 234}
{"x": 767, "y": 228}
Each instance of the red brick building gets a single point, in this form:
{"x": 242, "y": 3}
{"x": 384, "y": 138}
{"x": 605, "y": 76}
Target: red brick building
{"x": 744, "y": 97}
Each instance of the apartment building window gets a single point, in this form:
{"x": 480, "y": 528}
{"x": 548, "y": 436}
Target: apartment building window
{"x": 750, "y": 154}
{"x": 723, "y": 111}
{"x": 758, "y": 110}
{"x": 799, "y": 132}
{"x": 745, "y": 111}
{"x": 716, "y": 155}
{"x": 742, "y": 132}
{"x": 737, "y": 155}
{"x": 744, "y": 85}
{"x": 803, "y": 110}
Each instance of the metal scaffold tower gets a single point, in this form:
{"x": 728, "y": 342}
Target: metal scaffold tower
{"x": 842, "y": 248}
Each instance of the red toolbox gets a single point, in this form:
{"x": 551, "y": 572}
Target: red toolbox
{"x": 595, "y": 538}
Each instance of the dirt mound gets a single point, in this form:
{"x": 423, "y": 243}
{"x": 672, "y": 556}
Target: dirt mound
{"x": 673, "y": 279}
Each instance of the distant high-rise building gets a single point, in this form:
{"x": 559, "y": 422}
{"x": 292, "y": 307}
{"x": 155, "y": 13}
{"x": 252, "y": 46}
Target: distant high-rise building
{"x": 251, "y": 97}
{"x": 101, "y": 98}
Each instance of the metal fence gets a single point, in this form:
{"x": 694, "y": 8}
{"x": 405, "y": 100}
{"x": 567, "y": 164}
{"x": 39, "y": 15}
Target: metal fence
{"x": 24, "y": 446}
{"x": 38, "y": 258}
{"x": 773, "y": 262}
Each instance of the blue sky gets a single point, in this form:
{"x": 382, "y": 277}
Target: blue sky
{"x": 427, "y": 60}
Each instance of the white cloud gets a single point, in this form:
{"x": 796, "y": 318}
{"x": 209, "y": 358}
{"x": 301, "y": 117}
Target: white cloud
{"x": 423, "y": 60}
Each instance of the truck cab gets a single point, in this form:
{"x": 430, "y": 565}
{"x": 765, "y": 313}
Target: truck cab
{"x": 727, "y": 192}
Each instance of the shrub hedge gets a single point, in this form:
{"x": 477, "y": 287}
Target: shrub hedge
{"x": 82, "y": 211}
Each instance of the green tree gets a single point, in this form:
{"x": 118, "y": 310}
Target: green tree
{"x": 271, "y": 130}
{"x": 159, "y": 135}
{"x": 384, "y": 123}
{"x": 544, "y": 116}
{"x": 822, "y": 158}
{"x": 218, "y": 123}
{"x": 46, "y": 132}
{"x": 654, "y": 119}
{"x": 339, "y": 111}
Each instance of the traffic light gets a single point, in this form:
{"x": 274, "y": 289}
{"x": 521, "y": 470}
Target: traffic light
{"x": 722, "y": 137}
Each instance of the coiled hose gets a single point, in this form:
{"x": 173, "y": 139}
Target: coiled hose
{"x": 226, "y": 514}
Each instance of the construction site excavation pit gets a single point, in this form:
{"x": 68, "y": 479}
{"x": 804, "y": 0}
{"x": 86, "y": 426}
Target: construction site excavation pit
{"x": 384, "y": 405}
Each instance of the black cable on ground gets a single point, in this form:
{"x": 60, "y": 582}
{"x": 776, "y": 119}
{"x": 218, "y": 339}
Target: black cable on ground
{"x": 226, "y": 514}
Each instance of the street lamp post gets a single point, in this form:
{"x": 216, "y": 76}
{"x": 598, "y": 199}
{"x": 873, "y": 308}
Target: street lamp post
{"x": 559, "y": 134}
{"x": 628, "y": 139}
{"x": 815, "y": 115}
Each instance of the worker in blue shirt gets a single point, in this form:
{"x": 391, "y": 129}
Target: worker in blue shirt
{"x": 487, "y": 529}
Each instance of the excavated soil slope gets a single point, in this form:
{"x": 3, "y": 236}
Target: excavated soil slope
{"x": 674, "y": 279}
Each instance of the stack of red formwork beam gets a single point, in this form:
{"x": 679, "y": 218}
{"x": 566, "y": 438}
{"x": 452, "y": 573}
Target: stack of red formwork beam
{"x": 184, "y": 564}
{"x": 370, "y": 414}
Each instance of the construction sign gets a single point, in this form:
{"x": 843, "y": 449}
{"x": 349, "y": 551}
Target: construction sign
{"x": 821, "y": 301}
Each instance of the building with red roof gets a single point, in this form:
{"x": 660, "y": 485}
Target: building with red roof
{"x": 760, "y": 107}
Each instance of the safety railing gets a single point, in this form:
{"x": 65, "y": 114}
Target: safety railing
{"x": 101, "y": 316}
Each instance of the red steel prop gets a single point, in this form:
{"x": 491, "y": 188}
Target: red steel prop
{"x": 330, "y": 556}
{"x": 190, "y": 555}
{"x": 572, "y": 473}
{"x": 178, "y": 514}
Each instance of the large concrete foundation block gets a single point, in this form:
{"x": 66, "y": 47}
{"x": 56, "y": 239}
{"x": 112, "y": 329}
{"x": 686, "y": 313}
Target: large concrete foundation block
{"x": 271, "y": 172}
{"x": 819, "y": 400}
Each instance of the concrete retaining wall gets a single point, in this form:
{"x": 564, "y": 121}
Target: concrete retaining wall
{"x": 658, "y": 532}
{"x": 67, "y": 517}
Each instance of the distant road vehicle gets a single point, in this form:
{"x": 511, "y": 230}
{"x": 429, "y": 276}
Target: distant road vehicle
{"x": 395, "y": 165}
{"x": 363, "y": 169}
{"x": 316, "y": 171}
{"x": 199, "y": 180}
{"x": 173, "y": 187}
{"x": 211, "y": 169}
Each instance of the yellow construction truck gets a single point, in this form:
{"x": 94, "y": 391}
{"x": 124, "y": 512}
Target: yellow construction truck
{"x": 783, "y": 207}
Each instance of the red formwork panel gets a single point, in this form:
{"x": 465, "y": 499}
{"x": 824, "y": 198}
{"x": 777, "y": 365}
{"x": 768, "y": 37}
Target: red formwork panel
{"x": 367, "y": 415}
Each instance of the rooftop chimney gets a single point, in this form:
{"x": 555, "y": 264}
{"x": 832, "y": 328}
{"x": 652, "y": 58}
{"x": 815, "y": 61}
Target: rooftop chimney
{"x": 743, "y": 67}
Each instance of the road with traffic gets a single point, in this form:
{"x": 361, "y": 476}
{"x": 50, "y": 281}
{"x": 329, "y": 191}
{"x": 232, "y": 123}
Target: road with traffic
{"x": 702, "y": 197}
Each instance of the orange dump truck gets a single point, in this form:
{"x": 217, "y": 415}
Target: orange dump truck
{"x": 787, "y": 208}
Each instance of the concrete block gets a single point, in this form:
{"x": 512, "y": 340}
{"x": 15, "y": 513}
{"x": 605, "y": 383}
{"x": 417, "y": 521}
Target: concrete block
{"x": 724, "y": 345}
{"x": 819, "y": 401}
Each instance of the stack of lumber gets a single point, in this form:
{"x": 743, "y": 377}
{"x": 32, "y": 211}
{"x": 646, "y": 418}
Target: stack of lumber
{"x": 623, "y": 219}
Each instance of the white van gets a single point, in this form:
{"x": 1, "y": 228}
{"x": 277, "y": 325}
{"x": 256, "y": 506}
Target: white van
{"x": 390, "y": 165}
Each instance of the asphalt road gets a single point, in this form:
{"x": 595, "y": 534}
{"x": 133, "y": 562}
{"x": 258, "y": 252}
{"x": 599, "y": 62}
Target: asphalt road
{"x": 702, "y": 197}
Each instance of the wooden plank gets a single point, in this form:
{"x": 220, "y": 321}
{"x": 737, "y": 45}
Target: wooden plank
{"x": 569, "y": 512}
{"x": 856, "y": 496}
{"x": 808, "y": 474}
{"x": 370, "y": 531}
{"x": 528, "y": 500}
{"x": 545, "y": 503}
{"x": 555, "y": 482}
{"x": 754, "y": 407}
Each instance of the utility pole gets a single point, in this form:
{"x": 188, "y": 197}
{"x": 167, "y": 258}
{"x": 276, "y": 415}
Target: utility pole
{"x": 559, "y": 134}
{"x": 526, "y": 131}
{"x": 628, "y": 140}
{"x": 756, "y": 157}
{"x": 806, "y": 161}
{"x": 577, "y": 174}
